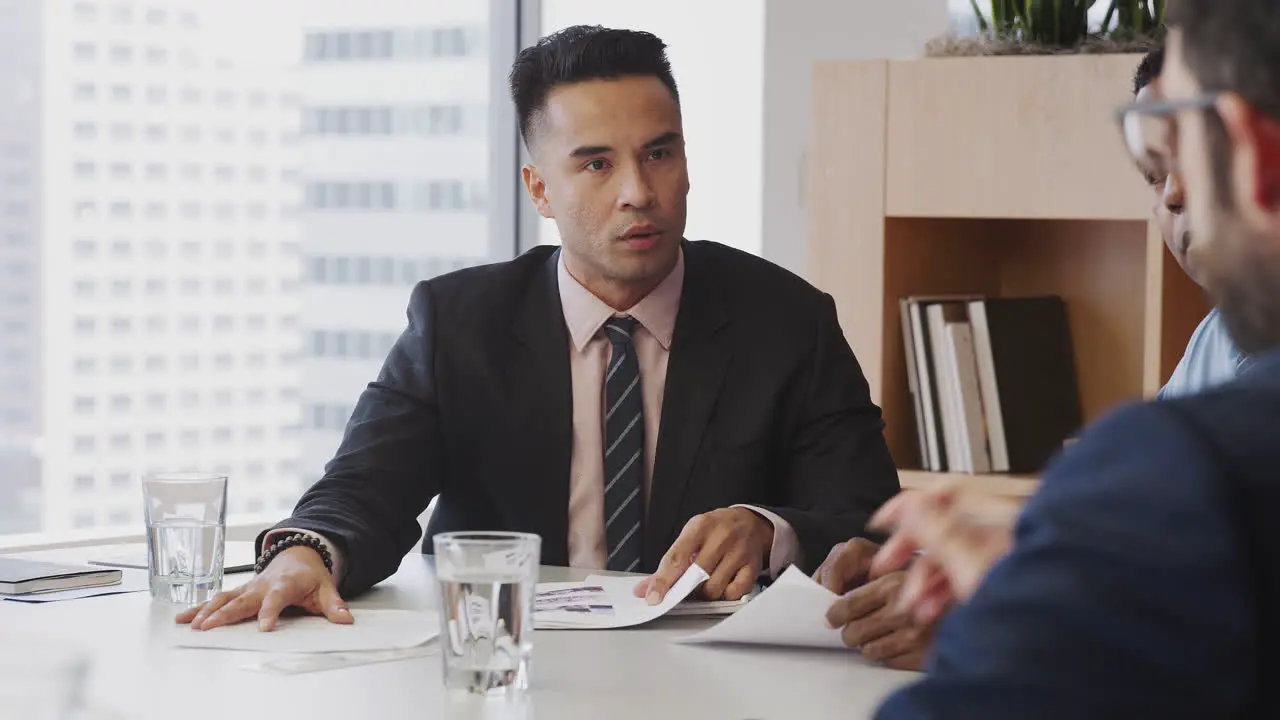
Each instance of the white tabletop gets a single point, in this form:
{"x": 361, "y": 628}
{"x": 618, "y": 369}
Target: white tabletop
{"x": 576, "y": 675}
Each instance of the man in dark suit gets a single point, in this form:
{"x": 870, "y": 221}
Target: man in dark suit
{"x": 1144, "y": 577}
{"x": 636, "y": 399}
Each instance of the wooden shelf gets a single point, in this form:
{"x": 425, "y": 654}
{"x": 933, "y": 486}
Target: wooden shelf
{"x": 1004, "y": 177}
{"x": 1007, "y": 485}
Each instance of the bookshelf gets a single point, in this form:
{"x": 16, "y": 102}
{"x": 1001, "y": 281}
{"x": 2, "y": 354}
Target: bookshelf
{"x": 998, "y": 176}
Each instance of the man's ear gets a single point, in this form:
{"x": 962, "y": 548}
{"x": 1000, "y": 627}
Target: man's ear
{"x": 536, "y": 186}
{"x": 1255, "y": 159}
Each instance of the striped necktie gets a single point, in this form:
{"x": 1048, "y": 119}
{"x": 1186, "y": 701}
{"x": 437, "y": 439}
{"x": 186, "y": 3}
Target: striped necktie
{"x": 623, "y": 449}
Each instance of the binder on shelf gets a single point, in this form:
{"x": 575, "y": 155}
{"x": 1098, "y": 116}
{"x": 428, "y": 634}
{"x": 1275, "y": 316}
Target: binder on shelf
{"x": 992, "y": 380}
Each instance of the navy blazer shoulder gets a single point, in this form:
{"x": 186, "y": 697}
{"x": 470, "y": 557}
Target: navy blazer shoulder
{"x": 1145, "y": 577}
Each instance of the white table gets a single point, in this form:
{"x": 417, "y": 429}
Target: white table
{"x": 576, "y": 675}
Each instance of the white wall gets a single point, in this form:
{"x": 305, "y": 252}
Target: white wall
{"x": 798, "y": 33}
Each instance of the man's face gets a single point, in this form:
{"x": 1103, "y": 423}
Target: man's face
{"x": 609, "y": 167}
{"x": 1169, "y": 200}
{"x": 1235, "y": 224}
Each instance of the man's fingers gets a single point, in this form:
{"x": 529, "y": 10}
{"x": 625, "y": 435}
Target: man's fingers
{"x": 742, "y": 583}
{"x": 894, "y": 555}
{"x": 910, "y": 661}
{"x": 878, "y": 624}
{"x": 273, "y": 603}
{"x": 721, "y": 562}
{"x": 244, "y": 606}
{"x": 676, "y": 561}
{"x": 862, "y": 601}
{"x": 848, "y": 565}
{"x": 642, "y": 587}
{"x": 964, "y": 550}
{"x": 209, "y": 608}
{"x": 187, "y": 615}
{"x": 333, "y": 606}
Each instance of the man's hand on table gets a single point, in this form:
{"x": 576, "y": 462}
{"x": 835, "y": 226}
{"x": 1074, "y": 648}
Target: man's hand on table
{"x": 296, "y": 577}
{"x": 868, "y": 612}
{"x": 731, "y": 544}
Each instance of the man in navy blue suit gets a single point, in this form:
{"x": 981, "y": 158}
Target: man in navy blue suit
{"x": 1144, "y": 577}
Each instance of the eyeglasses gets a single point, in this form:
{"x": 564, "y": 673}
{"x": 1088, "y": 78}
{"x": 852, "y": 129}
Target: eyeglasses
{"x": 1150, "y": 132}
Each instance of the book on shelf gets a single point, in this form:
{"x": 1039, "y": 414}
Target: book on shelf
{"x": 992, "y": 381}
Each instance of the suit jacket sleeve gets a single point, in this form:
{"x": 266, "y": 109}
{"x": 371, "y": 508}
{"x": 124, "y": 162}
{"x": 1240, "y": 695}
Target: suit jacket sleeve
{"x": 1125, "y": 595}
{"x": 839, "y": 471}
{"x": 387, "y": 469}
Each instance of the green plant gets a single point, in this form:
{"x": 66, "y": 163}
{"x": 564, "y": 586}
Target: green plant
{"x": 1065, "y": 23}
{"x": 1135, "y": 18}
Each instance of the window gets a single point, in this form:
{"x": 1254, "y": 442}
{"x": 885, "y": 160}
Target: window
{"x": 194, "y": 177}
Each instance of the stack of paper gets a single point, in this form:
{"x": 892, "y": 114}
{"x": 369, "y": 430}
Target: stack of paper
{"x": 791, "y": 612}
{"x": 602, "y": 602}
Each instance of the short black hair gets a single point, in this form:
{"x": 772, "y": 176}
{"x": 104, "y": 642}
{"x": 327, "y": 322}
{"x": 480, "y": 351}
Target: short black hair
{"x": 580, "y": 53}
{"x": 1233, "y": 45}
{"x": 1149, "y": 69}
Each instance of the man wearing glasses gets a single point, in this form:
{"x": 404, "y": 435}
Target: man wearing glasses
{"x": 1144, "y": 577}
{"x": 1211, "y": 357}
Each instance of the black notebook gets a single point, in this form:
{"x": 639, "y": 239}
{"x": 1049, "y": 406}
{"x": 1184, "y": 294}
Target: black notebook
{"x": 1025, "y": 355}
{"x": 22, "y": 577}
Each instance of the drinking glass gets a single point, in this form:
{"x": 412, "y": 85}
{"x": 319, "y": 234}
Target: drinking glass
{"x": 186, "y": 527}
{"x": 487, "y": 583}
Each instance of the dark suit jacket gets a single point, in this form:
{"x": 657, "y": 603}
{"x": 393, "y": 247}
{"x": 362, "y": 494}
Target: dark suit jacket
{"x": 1145, "y": 579}
{"x": 764, "y": 404}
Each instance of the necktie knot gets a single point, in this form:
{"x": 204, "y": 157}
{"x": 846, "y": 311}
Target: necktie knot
{"x": 620, "y": 329}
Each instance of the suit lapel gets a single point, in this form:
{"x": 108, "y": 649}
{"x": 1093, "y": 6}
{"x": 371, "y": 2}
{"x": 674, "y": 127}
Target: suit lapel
{"x": 541, "y": 401}
{"x": 700, "y": 354}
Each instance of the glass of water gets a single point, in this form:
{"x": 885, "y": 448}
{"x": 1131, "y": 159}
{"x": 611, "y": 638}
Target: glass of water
{"x": 186, "y": 525}
{"x": 487, "y": 584}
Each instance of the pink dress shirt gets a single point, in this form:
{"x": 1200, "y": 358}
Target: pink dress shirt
{"x": 589, "y": 353}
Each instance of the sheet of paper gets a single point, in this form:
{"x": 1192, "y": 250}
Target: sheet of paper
{"x": 130, "y": 581}
{"x": 372, "y": 630}
{"x": 790, "y": 612}
{"x": 602, "y": 602}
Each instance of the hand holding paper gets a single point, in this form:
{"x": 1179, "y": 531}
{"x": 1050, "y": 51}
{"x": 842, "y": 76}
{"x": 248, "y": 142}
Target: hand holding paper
{"x": 731, "y": 544}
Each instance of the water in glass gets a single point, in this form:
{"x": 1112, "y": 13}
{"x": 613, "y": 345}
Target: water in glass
{"x": 187, "y": 559}
{"x": 487, "y": 587}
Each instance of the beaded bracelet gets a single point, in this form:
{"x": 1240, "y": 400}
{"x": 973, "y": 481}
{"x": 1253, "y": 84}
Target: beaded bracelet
{"x": 294, "y": 540}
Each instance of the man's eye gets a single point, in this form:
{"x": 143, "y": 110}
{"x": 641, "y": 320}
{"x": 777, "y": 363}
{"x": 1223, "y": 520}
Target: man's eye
{"x": 1156, "y": 180}
{"x": 658, "y": 154}
{"x": 596, "y": 165}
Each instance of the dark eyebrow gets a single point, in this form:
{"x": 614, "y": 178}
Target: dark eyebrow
{"x": 661, "y": 140}
{"x": 591, "y": 150}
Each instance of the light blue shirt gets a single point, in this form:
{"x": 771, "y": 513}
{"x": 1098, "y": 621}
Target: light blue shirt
{"x": 1211, "y": 359}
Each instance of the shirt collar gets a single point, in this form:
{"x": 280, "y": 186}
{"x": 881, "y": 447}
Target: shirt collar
{"x": 585, "y": 313}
